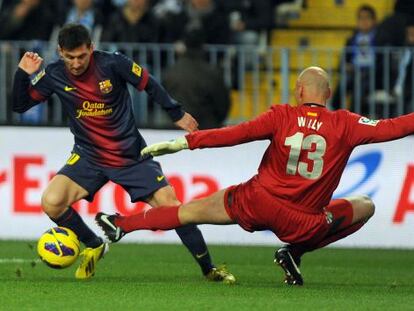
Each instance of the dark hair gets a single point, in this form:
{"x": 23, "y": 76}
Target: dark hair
{"x": 369, "y": 9}
{"x": 72, "y": 36}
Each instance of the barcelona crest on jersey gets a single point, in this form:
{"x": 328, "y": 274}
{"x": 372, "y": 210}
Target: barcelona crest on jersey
{"x": 105, "y": 86}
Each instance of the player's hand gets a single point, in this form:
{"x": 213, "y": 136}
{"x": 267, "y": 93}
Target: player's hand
{"x": 187, "y": 123}
{"x": 165, "y": 147}
{"x": 30, "y": 62}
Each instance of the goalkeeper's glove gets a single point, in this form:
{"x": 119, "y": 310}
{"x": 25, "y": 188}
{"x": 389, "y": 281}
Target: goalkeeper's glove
{"x": 165, "y": 147}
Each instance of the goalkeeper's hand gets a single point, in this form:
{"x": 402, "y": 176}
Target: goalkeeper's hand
{"x": 165, "y": 147}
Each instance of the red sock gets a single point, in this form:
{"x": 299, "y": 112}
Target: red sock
{"x": 340, "y": 234}
{"x": 342, "y": 211}
{"x": 299, "y": 249}
{"x": 160, "y": 218}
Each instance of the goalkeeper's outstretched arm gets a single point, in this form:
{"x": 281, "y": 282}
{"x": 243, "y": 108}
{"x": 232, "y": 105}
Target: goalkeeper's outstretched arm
{"x": 263, "y": 127}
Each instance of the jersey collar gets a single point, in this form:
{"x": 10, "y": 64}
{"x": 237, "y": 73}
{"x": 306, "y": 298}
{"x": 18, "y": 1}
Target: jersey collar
{"x": 313, "y": 104}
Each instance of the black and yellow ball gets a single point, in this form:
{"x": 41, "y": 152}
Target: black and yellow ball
{"x": 58, "y": 247}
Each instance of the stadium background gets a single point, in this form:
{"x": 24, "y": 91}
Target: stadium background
{"x": 306, "y": 33}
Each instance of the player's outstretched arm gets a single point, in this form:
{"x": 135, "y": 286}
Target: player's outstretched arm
{"x": 29, "y": 64}
{"x": 181, "y": 119}
{"x": 362, "y": 130}
{"x": 142, "y": 80}
{"x": 165, "y": 147}
{"x": 159, "y": 95}
{"x": 259, "y": 128}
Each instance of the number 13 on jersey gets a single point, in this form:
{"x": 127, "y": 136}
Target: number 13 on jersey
{"x": 297, "y": 144}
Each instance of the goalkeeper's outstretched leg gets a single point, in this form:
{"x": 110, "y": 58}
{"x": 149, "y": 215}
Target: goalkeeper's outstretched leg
{"x": 250, "y": 208}
{"x": 164, "y": 216}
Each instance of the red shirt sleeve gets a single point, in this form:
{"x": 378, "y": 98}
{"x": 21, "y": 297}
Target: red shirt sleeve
{"x": 361, "y": 130}
{"x": 260, "y": 128}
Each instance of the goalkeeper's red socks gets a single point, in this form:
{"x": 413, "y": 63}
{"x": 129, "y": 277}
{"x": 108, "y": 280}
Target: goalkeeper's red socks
{"x": 159, "y": 218}
{"x": 344, "y": 229}
{"x": 340, "y": 234}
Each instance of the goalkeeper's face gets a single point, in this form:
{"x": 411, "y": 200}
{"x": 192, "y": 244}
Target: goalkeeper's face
{"x": 77, "y": 60}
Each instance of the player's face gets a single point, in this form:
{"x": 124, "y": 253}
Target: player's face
{"x": 77, "y": 60}
{"x": 365, "y": 21}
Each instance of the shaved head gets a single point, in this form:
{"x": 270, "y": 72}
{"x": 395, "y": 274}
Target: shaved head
{"x": 315, "y": 78}
{"x": 312, "y": 86}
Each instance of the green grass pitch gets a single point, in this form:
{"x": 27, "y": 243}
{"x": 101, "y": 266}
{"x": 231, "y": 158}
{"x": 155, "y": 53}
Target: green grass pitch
{"x": 164, "y": 277}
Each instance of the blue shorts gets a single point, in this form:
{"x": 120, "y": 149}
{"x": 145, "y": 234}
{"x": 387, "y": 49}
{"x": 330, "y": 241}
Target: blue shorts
{"x": 139, "y": 180}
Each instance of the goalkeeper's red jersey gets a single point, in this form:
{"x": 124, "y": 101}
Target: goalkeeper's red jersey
{"x": 308, "y": 151}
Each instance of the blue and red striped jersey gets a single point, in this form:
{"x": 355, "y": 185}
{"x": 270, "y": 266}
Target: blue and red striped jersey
{"x": 99, "y": 106}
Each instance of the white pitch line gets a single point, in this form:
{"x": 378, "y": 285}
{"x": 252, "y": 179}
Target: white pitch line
{"x": 17, "y": 260}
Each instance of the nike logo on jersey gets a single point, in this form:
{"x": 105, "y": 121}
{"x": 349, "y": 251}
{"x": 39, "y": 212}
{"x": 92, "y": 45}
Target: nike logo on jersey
{"x": 69, "y": 88}
{"x": 309, "y": 123}
{"x": 159, "y": 178}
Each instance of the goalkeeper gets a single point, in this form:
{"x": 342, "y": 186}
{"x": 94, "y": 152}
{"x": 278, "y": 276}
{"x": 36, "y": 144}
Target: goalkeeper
{"x": 292, "y": 191}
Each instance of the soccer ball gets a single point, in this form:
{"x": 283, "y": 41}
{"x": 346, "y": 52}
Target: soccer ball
{"x": 58, "y": 247}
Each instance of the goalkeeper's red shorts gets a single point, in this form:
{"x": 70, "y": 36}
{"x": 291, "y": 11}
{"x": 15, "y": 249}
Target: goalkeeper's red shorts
{"x": 254, "y": 209}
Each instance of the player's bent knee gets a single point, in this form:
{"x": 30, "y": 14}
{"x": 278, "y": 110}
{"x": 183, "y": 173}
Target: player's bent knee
{"x": 369, "y": 206}
{"x": 53, "y": 203}
{"x": 164, "y": 197}
{"x": 364, "y": 207}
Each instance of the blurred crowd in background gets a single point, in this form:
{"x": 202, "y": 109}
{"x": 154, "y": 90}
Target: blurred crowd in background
{"x": 370, "y": 35}
{"x": 166, "y": 21}
{"x": 191, "y": 22}
{"x": 162, "y": 21}
{"x": 188, "y": 24}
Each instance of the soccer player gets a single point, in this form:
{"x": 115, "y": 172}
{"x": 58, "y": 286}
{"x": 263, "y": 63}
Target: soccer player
{"x": 92, "y": 86}
{"x": 291, "y": 193}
